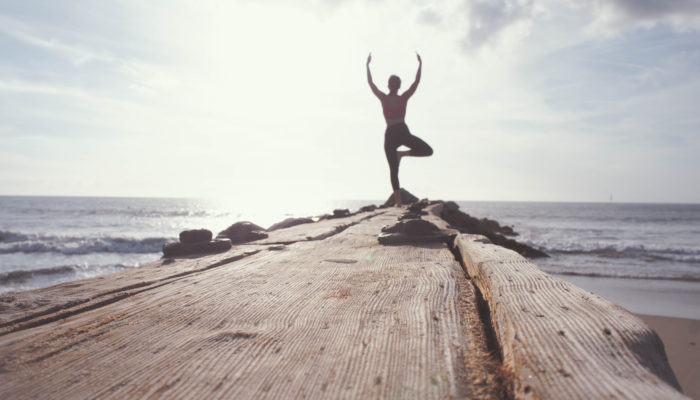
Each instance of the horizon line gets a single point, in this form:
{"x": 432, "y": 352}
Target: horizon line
{"x": 358, "y": 199}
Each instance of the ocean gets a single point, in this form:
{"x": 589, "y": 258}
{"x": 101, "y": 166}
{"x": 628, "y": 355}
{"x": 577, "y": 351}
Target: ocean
{"x": 614, "y": 240}
{"x": 49, "y": 240}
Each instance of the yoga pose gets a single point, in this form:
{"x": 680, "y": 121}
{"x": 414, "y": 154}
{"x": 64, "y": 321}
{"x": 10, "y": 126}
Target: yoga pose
{"x": 397, "y": 133}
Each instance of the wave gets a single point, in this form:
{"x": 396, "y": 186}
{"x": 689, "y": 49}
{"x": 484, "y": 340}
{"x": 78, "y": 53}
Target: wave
{"x": 646, "y": 253}
{"x": 146, "y": 213}
{"x": 9, "y": 236}
{"x": 23, "y": 275}
{"x": 13, "y": 242}
{"x": 126, "y": 212}
{"x": 684, "y": 278}
{"x": 645, "y": 256}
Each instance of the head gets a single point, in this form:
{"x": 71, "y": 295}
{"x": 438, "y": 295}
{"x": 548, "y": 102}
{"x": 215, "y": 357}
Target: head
{"x": 394, "y": 83}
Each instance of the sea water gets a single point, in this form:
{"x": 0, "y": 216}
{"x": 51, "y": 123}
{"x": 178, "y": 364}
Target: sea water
{"x": 49, "y": 240}
{"x": 642, "y": 241}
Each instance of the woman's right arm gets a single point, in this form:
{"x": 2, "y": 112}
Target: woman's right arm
{"x": 372, "y": 86}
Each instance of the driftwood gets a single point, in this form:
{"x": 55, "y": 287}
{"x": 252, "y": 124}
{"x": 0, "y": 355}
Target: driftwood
{"x": 338, "y": 317}
{"x": 322, "y": 310}
{"x": 36, "y": 304}
{"x": 561, "y": 341}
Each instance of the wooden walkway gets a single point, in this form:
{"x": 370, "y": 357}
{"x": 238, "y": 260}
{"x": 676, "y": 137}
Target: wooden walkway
{"x": 323, "y": 310}
{"x": 329, "y": 314}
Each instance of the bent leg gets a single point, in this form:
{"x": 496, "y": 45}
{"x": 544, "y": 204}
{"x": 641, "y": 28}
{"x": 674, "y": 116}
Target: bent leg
{"x": 418, "y": 146}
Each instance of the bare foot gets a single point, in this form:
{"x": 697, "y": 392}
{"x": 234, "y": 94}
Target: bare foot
{"x": 397, "y": 198}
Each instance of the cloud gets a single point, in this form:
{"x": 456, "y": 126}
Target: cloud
{"x": 429, "y": 17}
{"x": 613, "y": 16}
{"x": 280, "y": 86}
{"x": 488, "y": 20}
{"x": 650, "y": 9}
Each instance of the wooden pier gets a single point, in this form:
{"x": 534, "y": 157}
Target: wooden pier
{"x": 323, "y": 310}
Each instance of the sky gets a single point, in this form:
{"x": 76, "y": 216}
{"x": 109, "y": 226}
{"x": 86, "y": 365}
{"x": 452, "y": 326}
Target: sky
{"x": 521, "y": 100}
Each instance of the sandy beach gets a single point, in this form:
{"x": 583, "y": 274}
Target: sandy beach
{"x": 667, "y": 298}
{"x": 681, "y": 337}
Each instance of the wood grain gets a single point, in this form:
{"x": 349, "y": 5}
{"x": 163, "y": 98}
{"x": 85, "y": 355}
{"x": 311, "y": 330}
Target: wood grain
{"x": 23, "y": 306}
{"x": 560, "y": 341}
{"x": 341, "y": 317}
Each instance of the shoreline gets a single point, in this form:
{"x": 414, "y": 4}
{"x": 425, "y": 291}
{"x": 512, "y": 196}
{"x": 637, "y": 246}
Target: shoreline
{"x": 681, "y": 337}
{"x": 664, "y": 298}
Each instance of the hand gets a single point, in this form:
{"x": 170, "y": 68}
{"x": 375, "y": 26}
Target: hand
{"x": 419, "y": 60}
{"x": 369, "y": 58}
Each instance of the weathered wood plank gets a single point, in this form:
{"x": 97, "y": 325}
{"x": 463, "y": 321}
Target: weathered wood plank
{"x": 33, "y": 304}
{"x": 337, "y": 318}
{"x": 561, "y": 341}
{"x": 318, "y": 230}
{"x": 19, "y": 308}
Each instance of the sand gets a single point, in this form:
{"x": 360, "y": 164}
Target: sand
{"x": 645, "y": 296}
{"x": 681, "y": 337}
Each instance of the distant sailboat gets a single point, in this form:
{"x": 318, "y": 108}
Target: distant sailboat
{"x": 611, "y": 197}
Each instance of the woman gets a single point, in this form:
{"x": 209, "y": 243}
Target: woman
{"x": 397, "y": 133}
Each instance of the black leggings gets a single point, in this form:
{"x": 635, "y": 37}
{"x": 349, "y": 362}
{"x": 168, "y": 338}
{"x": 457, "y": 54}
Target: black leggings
{"x": 397, "y": 135}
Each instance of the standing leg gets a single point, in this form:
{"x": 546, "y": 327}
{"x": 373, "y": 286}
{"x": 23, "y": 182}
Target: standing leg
{"x": 390, "y": 147}
{"x": 418, "y": 148}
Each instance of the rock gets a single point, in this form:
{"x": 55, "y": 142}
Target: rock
{"x": 396, "y": 228}
{"x": 337, "y": 213}
{"x": 402, "y": 238}
{"x": 419, "y": 227}
{"x": 196, "y": 236}
{"x": 412, "y": 231}
{"x": 450, "y": 206}
{"x": 411, "y": 215}
{"x": 489, "y": 228}
{"x": 289, "y": 222}
{"x": 418, "y": 206}
{"x": 522, "y": 249}
{"x": 242, "y": 232}
{"x": 406, "y": 198}
{"x": 370, "y": 207}
{"x": 496, "y": 227}
{"x": 412, "y": 227}
{"x": 450, "y": 213}
{"x": 341, "y": 213}
{"x": 176, "y": 249}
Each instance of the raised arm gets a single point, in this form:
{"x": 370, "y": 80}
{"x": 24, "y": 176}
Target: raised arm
{"x": 414, "y": 86}
{"x": 372, "y": 86}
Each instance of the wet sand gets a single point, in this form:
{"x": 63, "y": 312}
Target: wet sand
{"x": 668, "y": 298}
{"x": 681, "y": 337}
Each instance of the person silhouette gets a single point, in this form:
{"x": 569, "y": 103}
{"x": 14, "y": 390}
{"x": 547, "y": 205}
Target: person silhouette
{"x": 397, "y": 133}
